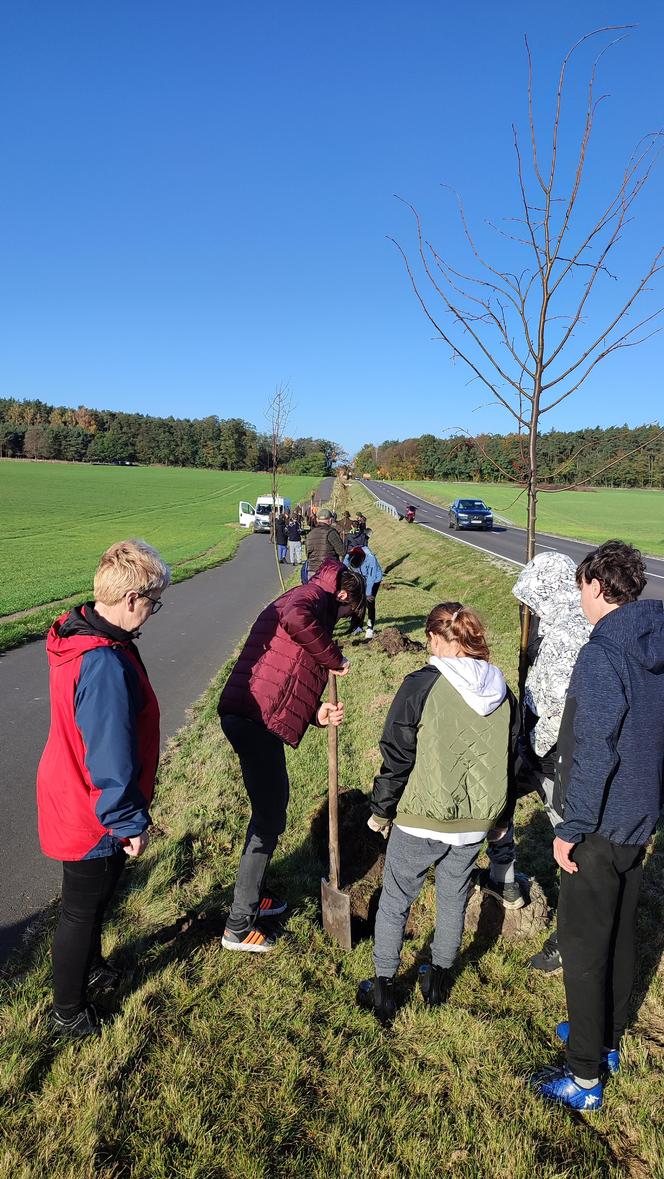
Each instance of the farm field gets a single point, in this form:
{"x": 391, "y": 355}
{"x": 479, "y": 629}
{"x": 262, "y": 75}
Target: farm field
{"x": 625, "y": 513}
{"x": 57, "y": 518}
{"x": 221, "y": 1064}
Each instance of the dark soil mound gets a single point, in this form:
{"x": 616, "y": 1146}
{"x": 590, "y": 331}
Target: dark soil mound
{"x": 393, "y": 642}
{"x": 362, "y": 862}
{"x": 486, "y": 917}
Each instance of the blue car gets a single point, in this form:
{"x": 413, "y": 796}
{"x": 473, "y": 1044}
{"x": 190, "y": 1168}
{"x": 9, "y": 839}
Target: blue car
{"x": 470, "y": 513}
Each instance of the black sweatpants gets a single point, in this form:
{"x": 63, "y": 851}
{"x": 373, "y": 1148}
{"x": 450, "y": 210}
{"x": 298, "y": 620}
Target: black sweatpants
{"x": 596, "y": 935}
{"x": 87, "y": 888}
{"x": 263, "y": 763}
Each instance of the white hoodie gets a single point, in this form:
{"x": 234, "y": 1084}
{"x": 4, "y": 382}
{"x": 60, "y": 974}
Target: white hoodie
{"x": 483, "y": 688}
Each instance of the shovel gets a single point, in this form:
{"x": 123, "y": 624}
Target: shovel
{"x": 336, "y": 904}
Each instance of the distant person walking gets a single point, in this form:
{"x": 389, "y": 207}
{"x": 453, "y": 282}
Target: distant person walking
{"x": 280, "y": 537}
{"x": 271, "y": 697}
{"x": 294, "y": 536}
{"x": 323, "y": 542}
{"x": 96, "y": 776}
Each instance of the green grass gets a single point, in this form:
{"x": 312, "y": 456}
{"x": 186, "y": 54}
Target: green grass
{"x": 57, "y": 519}
{"x": 227, "y": 1065}
{"x": 594, "y": 515}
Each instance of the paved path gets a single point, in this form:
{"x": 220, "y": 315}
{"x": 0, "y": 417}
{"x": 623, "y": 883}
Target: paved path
{"x": 183, "y": 647}
{"x": 505, "y": 540}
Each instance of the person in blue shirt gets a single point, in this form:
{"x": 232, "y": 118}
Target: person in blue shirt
{"x": 608, "y": 792}
{"x": 362, "y": 560}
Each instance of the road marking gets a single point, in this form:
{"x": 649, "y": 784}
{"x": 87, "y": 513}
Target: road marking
{"x": 477, "y": 547}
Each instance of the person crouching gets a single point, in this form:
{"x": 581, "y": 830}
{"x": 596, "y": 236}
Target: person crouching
{"x": 448, "y": 750}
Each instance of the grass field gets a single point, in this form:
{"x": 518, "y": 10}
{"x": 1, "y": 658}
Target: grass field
{"x": 57, "y": 519}
{"x": 594, "y": 515}
{"x": 219, "y": 1066}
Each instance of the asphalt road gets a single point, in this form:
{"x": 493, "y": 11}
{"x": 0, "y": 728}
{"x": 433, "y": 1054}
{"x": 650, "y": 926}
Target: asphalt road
{"x": 183, "y": 648}
{"x": 504, "y": 540}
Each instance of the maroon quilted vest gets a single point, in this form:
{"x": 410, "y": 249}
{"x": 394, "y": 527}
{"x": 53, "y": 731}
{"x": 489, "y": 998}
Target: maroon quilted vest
{"x": 282, "y": 669}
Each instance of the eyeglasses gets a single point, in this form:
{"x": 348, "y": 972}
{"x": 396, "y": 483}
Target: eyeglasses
{"x": 156, "y": 602}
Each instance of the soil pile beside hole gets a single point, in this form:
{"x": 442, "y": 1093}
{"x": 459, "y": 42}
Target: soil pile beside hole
{"x": 393, "y": 642}
{"x": 486, "y": 917}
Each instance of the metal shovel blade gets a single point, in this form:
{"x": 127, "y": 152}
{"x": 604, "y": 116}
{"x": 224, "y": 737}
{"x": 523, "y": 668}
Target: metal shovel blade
{"x": 336, "y": 914}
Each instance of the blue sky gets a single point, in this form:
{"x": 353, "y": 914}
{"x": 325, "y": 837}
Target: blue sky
{"x": 196, "y": 200}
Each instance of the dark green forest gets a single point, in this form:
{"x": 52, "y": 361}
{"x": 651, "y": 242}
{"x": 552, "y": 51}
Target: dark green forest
{"x": 616, "y": 456}
{"x": 34, "y": 430}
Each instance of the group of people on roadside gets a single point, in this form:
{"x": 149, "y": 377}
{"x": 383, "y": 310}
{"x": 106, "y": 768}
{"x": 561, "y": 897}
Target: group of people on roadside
{"x": 456, "y": 755}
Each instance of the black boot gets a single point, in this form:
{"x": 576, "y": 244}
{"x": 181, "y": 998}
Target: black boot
{"x": 548, "y": 961}
{"x": 377, "y": 995}
{"x": 434, "y": 984}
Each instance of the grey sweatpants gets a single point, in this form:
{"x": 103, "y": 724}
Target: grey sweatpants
{"x": 407, "y": 862}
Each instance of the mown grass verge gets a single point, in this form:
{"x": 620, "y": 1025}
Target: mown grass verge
{"x": 227, "y": 1065}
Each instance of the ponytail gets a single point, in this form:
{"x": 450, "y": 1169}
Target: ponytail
{"x": 458, "y": 623}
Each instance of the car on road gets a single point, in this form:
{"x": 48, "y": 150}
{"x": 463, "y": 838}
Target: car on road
{"x": 470, "y": 513}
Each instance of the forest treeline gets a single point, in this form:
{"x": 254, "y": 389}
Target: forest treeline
{"x": 32, "y": 429}
{"x": 617, "y": 456}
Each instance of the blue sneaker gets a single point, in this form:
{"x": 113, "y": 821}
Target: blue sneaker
{"x": 610, "y": 1061}
{"x": 558, "y": 1084}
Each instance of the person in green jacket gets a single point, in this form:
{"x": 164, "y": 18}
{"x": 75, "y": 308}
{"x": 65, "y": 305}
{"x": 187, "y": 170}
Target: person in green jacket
{"x": 448, "y": 751}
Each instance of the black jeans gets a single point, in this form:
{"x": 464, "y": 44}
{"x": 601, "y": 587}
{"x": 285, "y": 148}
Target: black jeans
{"x": 87, "y": 888}
{"x": 263, "y": 763}
{"x": 596, "y": 935}
{"x": 357, "y": 619}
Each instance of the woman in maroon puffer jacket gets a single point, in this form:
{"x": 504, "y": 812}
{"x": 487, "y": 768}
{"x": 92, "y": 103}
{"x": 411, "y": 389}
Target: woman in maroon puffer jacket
{"x": 271, "y": 697}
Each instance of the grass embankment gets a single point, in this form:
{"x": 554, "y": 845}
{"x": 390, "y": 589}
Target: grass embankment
{"x": 225, "y": 1065}
{"x": 57, "y": 519}
{"x": 595, "y": 515}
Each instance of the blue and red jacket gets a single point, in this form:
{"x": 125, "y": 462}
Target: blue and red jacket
{"x": 96, "y": 776}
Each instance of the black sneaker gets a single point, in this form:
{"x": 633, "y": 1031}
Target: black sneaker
{"x": 271, "y": 906}
{"x": 254, "y": 940}
{"x": 508, "y": 895}
{"x": 104, "y": 978}
{"x": 434, "y": 984}
{"x": 548, "y": 961}
{"x": 86, "y": 1023}
{"x": 377, "y": 995}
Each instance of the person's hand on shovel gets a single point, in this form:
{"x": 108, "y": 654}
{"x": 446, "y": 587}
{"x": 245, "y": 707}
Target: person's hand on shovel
{"x": 330, "y": 714}
{"x": 344, "y": 669}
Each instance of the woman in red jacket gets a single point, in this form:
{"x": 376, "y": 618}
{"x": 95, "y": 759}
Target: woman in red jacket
{"x": 271, "y": 697}
{"x": 96, "y": 775}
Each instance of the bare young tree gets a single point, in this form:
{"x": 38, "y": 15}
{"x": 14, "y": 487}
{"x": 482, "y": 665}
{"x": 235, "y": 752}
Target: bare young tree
{"x": 526, "y": 332}
{"x": 278, "y": 412}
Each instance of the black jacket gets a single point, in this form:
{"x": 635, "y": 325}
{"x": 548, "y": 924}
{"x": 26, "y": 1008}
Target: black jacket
{"x": 610, "y": 766}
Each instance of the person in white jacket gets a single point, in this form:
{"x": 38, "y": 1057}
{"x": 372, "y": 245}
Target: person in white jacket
{"x": 362, "y": 560}
{"x": 558, "y": 631}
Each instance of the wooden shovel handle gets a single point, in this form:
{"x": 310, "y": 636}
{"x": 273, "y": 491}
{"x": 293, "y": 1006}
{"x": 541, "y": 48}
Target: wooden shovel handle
{"x": 333, "y": 786}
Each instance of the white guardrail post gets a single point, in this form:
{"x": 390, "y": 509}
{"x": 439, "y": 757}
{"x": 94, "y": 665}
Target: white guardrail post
{"x": 389, "y": 508}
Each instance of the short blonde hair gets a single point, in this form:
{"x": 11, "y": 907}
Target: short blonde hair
{"x": 129, "y": 565}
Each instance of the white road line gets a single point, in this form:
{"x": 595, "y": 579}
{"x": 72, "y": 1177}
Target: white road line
{"x": 513, "y": 528}
{"x": 477, "y": 547}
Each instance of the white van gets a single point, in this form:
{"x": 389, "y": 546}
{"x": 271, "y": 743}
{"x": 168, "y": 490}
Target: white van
{"x": 258, "y": 517}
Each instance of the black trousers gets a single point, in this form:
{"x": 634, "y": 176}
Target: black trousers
{"x": 87, "y": 888}
{"x": 596, "y": 937}
{"x": 263, "y": 763}
{"x": 357, "y": 619}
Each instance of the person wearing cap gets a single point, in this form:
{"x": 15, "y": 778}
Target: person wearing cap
{"x": 363, "y": 561}
{"x": 323, "y": 542}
